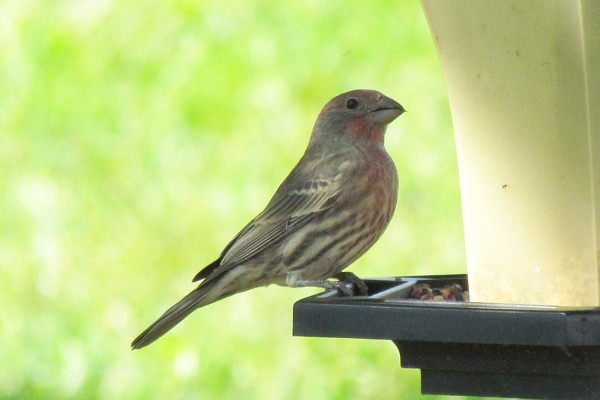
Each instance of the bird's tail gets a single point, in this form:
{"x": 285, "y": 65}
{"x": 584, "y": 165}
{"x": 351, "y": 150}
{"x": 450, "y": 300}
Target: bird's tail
{"x": 199, "y": 297}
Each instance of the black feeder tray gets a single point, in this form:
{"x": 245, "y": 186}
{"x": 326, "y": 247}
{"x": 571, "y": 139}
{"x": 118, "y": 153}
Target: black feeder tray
{"x": 462, "y": 348}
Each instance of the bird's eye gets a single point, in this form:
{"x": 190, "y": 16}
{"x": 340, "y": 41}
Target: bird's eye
{"x": 351, "y": 104}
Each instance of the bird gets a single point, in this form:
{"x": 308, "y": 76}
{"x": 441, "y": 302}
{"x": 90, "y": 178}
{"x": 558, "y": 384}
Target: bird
{"x": 331, "y": 208}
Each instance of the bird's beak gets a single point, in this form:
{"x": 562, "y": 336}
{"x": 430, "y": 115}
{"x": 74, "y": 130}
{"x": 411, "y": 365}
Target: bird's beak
{"x": 385, "y": 110}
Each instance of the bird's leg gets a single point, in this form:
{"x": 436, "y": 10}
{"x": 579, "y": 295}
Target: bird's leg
{"x": 325, "y": 284}
{"x": 342, "y": 283}
{"x": 295, "y": 280}
{"x": 349, "y": 277}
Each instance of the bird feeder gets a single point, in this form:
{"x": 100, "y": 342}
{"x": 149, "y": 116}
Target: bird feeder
{"x": 523, "y": 81}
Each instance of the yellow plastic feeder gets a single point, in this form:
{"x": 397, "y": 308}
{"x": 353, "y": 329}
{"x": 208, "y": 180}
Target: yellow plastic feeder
{"x": 523, "y": 80}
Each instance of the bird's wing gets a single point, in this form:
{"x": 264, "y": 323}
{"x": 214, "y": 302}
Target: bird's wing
{"x": 289, "y": 209}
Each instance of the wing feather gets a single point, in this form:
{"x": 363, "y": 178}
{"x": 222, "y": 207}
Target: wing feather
{"x": 289, "y": 210}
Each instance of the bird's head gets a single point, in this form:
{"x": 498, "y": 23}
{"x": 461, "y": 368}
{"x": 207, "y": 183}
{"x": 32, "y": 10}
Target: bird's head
{"x": 356, "y": 115}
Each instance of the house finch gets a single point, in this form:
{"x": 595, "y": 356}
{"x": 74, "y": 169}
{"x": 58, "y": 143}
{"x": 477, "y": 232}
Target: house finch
{"x": 330, "y": 209}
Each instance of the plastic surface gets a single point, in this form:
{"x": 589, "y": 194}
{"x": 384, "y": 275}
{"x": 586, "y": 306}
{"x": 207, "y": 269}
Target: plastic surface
{"x": 523, "y": 80}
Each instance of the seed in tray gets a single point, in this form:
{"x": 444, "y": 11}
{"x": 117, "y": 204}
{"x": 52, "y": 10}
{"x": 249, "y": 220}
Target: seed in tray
{"x": 450, "y": 292}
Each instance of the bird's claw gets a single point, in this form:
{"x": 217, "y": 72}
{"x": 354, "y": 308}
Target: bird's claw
{"x": 358, "y": 284}
{"x": 347, "y": 284}
{"x": 343, "y": 288}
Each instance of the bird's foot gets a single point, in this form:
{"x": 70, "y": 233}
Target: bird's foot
{"x": 325, "y": 284}
{"x": 358, "y": 284}
{"x": 345, "y": 283}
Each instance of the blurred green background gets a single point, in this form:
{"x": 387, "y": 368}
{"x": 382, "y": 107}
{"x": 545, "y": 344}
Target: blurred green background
{"x": 137, "y": 137}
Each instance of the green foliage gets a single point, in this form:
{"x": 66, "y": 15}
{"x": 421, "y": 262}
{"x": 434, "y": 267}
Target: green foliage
{"x": 137, "y": 137}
